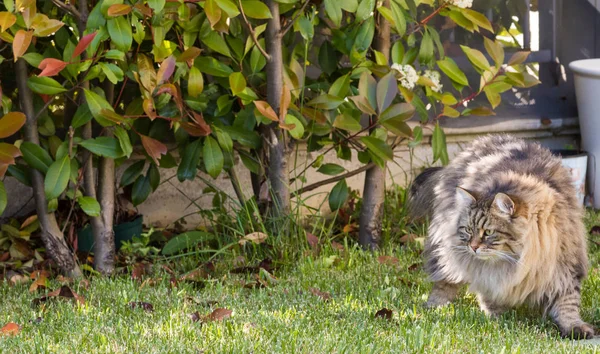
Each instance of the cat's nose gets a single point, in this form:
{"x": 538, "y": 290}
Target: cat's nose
{"x": 475, "y": 246}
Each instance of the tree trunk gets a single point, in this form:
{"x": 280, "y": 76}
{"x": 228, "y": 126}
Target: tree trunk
{"x": 278, "y": 173}
{"x": 104, "y": 235}
{"x": 52, "y": 236}
{"x": 371, "y": 213}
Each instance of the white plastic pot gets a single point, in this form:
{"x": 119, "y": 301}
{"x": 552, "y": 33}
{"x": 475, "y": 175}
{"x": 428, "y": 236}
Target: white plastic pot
{"x": 587, "y": 89}
{"x": 576, "y": 163}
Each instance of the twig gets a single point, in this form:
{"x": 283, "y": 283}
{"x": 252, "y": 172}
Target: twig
{"x": 68, "y": 8}
{"x": 424, "y": 21}
{"x": 289, "y": 25}
{"x": 252, "y": 33}
{"x": 324, "y": 182}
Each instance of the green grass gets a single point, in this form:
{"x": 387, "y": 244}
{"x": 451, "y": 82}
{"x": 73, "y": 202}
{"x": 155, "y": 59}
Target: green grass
{"x": 283, "y": 317}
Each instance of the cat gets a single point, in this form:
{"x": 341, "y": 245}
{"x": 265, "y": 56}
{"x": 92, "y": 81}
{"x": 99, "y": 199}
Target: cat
{"x": 505, "y": 220}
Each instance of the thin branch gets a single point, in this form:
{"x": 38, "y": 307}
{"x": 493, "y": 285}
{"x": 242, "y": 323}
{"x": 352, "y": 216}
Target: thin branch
{"x": 324, "y": 182}
{"x": 253, "y": 34}
{"x": 68, "y": 8}
{"x": 289, "y": 25}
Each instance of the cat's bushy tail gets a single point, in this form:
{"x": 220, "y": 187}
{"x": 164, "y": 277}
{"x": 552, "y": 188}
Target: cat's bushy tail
{"x": 421, "y": 193}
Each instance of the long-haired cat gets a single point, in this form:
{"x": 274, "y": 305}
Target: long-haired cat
{"x": 504, "y": 220}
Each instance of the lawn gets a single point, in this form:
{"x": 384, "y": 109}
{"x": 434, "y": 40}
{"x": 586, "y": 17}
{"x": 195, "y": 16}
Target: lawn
{"x": 290, "y": 314}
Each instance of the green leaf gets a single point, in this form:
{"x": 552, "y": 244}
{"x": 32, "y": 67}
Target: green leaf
{"x": 387, "y": 89}
{"x": 378, "y": 147}
{"x": 156, "y": 5}
{"x": 115, "y": 54}
{"x": 229, "y": 7}
{"x": 478, "y": 18}
{"x": 364, "y": 10}
{"x": 195, "y": 82}
{"x": 364, "y": 37}
{"x": 399, "y": 19}
{"x": 397, "y": 52}
{"x": 492, "y": 96}
{"x": 397, "y": 127}
{"x": 3, "y": 198}
{"x": 189, "y": 161}
{"x": 21, "y": 173}
{"x": 237, "y": 82}
{"x": 326, "y": 101}
{"x": 438, "y": 144}
{"x": 341, "y": 86}
{"x": 476, "y": 58}
{"x": 298, "y": 131}
{"x": 45, "y": 85}
{"x": 224, "y": 140}
{"x": 153, "y": 176}
{"x": 349, "y": 5}
{"x": 331, "y": 169}
{"x": 141, "y": 190}
{"x": 367, "y": 87}
{"x": 449, "y": 67}
{"x": 57, "y": 177}
{"x": 215, "y": 42}
{"x": 328, "y": 59}
{"x": 256, "y": 9}
{"x": 307, "y": 31}
{"x": 113, "y": 73}
{"x": 36, "y": 156}
{"x": 426, "y": 49}
{"x": 212, "y": 156}
{"x": 338, "y": 195}
{"x": 132, "y": 172}
{"x": 212, "y": 66}
{"x": 119, "y": 29}
{"x": 185, "y": 240}
{"x": 495, "y": 51}
{"x": 518, "y": 58}
{"x": 399, "y": 111}
{"x": 450, "y": 112}
{"x": 104, "y": 146}
{"x": 347, "y": 122}
{"x": 124, "y": 141}
{"x": 97, "y": 106}
{"x": 334, "y": 11}
{"x": 89, "y": 205}
{"x": 82, "y": 116}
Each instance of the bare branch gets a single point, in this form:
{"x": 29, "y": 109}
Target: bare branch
{"x": 289, "y": 25}
{"x": 253, "y": 34}
{"x": 324, "y": 182}
{"x": 68, "y": 8}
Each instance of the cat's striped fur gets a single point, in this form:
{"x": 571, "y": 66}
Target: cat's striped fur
{"x": 505, "y": 220}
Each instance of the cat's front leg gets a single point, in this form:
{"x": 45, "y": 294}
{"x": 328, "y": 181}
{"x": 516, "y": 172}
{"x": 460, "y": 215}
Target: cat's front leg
{"x": 490, "y": 308}
{"x": 442, "y": 294}
{"x": 565, "y": 312}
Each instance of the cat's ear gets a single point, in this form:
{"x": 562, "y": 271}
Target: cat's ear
{"x": 504, "y": 204}
{"x": 464, "y": 196}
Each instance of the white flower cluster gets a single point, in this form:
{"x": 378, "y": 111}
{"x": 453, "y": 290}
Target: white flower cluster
{"x": 409, "y": 75}
{"x": 435, "y": 77}
{"x": 463, "y": 4}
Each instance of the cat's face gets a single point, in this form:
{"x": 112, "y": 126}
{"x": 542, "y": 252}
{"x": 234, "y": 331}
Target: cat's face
{"x": 486, "y": 227}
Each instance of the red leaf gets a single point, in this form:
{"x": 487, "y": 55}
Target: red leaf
{"x": 11, "y": 123}
{"x": 286, "y": 98}
{"x": 265, "y": 109}
{"x": 10, "y": 329}
{"x": 197, "y": 127}
{"x": 174, "y": 92}
{"x": 118, "y": 10}
{"x": 21, "y": 42}
{"x": 167, "y": 67}
{"x": 63, "y": 291}
{"x": 153, "y": 147}
{"x": 84, "y": 42}
{"x": 8, "y": 153}
{"x": 144, "y": 9}
{"x": 51, "y": 67}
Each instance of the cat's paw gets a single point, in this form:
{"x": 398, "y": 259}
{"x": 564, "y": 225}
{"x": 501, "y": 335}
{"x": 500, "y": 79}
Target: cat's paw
{"x": 435, "y": 301}
{"x": 580, "y": 331}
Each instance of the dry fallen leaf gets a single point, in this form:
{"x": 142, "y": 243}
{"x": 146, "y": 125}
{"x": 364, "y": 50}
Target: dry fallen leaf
{"x": 64, "y": 280}
{"x": 41, "y": 282}
{"x": 323, "y": 295}
{"x": 195, "y": 316}
{"x": 313, "y": 241}
{"x": 414, "y": 267}
{"x": 139, "y": 270}
{"x": 255, "y": 237}
{"x": 15, "y": 278}
{"x": 143, "y": 305}
{"x": 384, "y": 313}
{"x": 219, "y": 314}
{"x": 337, "y": 246}
{"x": 65, "y": 292}
{"x": 10, "y": 329}
{"x": 408, "y": 238}
{"x": 389, "y": 260}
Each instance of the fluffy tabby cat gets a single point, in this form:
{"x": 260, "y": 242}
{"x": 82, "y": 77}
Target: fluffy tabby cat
{"x": 505, "y": 220}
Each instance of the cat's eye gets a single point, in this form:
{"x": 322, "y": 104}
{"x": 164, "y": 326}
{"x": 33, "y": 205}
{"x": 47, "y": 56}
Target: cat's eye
{"x": 488, "y": 232}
